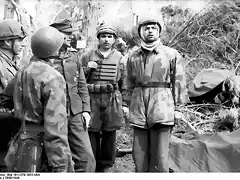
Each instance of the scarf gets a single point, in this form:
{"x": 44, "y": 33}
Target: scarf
{"x": 150, "y": 46}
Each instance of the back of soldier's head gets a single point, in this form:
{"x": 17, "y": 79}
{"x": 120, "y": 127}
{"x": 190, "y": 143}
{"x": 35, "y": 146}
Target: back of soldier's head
{"x": 46, "y": 42}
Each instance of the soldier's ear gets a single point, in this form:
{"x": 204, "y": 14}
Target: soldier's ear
{"x": 8, "y": 43}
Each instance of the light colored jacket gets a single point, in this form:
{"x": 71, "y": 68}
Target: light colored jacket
{"x": 151, "y": 105}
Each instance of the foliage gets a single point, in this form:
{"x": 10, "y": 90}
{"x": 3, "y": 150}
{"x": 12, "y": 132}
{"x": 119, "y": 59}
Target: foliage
{"x": 129, "y": 36}
{"x": 173, "y": 18}
{"x": 211, "y": 36}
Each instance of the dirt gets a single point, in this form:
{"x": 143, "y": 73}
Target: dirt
{"x": 124, "y": 141}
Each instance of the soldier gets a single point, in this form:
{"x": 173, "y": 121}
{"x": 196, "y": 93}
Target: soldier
{"x": 78, "y": 100}
{"x": 11, "y": 44}
{"x": 105, "y": 71}
{"x": 11, "y": 38}
{"x": 122, "y": 47}
{"x": 152, "y": 107}
{"x": 40, "y": 103}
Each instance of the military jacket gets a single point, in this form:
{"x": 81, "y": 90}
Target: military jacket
{"x": 40, "y": 97}
{"x": 151, "y": 105}
{"x": 8, "y": 70}
{"x": 77, "y": 93}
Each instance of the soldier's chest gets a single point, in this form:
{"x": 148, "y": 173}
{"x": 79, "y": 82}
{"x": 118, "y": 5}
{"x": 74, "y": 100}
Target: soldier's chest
{"x": 9, "y": 71}
{"x": 70, "y": 71}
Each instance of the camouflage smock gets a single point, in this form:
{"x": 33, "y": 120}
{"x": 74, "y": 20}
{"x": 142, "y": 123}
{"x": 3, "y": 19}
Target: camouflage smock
{"x": 106, "y": 108}
{"x": 8, "y": 70}
{"x": 150, "y": 105}
{"x": 42, "y": 100}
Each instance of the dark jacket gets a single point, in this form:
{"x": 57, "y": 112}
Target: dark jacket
{"x": 8, "y": 69}
{"x": 77, "y": 93}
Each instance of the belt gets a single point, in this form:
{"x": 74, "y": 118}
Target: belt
{"x": 102, "y": 88}
{"x": 153, "y": 84}
{"x": 33, "y": 127}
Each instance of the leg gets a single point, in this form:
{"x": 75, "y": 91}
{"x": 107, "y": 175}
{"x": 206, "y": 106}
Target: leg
{"x": 108, "y": 149}
{"x": 80, "y": 145}
{"x": 95, "y": 143}
{"x": 160, "y": 138}
{"x": 140, "y": 149}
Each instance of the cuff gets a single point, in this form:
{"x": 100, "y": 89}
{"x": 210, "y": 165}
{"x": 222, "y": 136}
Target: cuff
{"x": 86, "y": 109}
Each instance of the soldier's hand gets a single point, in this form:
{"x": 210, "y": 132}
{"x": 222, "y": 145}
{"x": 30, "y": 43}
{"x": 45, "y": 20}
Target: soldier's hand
{"x": 178, "y": 115}
{"x": 125, "y": 111}
{"x": 92, "y": 65}
{"x": 86, "y": 118}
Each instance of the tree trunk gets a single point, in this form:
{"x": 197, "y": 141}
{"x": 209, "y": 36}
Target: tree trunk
{"x": 92, "y": 12}
{"x": 8, "y": 10}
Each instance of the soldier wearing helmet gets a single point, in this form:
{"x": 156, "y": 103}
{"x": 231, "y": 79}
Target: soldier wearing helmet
{"x": 156, "y": 86}
{"x": 78, "y": 101}
{"x": 11, "y": 38}
{"x": 105, "y": 70}
{"x": 40, "y": 103}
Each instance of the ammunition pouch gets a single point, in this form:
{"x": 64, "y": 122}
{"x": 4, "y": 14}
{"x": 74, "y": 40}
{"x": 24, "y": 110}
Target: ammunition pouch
{"x": 26, "y": 153}
{"x": 6, "y": 113}
{"x": 103, "y": 88}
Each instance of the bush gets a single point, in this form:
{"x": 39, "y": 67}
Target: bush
{"x": 129, "y": 36}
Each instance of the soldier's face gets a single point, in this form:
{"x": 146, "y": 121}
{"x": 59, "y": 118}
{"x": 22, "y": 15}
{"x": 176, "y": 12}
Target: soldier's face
{"x": 18, "y": 46}
{"x": 15, "y": 45}
{"x": 106, "y": 40}
{"x": 150, "y": 32}
{"x": 67, "y": 39}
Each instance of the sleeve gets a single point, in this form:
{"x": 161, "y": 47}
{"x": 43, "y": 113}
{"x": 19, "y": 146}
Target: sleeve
{"x": 82, "y": 89}
{"x": 3, "y": 82}
{"x": 8, "y": 90}
{"x": 55, "y": 125}
{"x": 83, "y": 60}
{"x": 122, "y": 81}
{"x": 129, "y": 82}
{"x": 181, "y": 94}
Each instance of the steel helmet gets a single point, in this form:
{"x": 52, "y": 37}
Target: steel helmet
{"x": 46, "y": 41}
{"x": 105, "y": 28}
{"x": 149, "y": 21}
{"x": 11, "y": 29}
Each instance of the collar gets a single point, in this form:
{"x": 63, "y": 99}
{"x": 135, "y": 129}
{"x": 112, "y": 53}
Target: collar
{"x": 71, "y": 49}
{"x": 109, "y": 55}
{"x": 6, "y": 53}
{"x": 6, "y": 57}
{"x": 156, "y": 50}
{"x": 33, "y": 58}
{"x": 69, "y": 52}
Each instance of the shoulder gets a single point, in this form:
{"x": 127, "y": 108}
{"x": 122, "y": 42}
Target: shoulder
{"x": 168, "y": 51}
{"x": 43, "y": 72}
{"x": 134, "y": 55}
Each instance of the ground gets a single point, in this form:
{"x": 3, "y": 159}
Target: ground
{"x": 124, "y": 141}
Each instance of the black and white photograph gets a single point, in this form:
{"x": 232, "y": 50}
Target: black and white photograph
{"x": 119, "y": 86}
